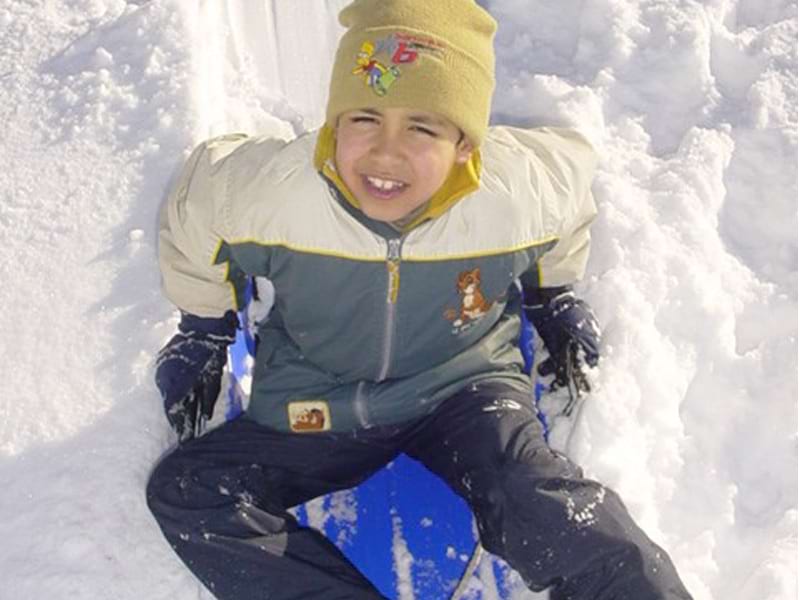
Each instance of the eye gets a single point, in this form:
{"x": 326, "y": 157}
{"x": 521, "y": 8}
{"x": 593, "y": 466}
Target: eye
{"x": 363, "y": 119}
{"x": 424, "y": 130}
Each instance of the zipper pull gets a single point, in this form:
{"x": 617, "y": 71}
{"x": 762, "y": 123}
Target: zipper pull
{"x": 393, "y": 269}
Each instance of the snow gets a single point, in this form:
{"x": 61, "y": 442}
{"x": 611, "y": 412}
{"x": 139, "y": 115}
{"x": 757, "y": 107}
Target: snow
{"x": 403, "y": 559}
{"x": 693, "y": 106}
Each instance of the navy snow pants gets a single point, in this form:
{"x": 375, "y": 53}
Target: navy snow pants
{"x": 222, "y": 499}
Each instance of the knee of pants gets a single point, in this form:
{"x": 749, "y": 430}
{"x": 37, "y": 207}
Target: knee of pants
{"x": 541, "y": 465}
{"x": 163, "y": 491}
{"x": 180, "y": 489}
{"x": 520, "y": 496}
{"x": 184, "y": 492}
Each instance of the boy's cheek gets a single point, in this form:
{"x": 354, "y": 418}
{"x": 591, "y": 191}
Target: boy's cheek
{"x": 346, "y": 153}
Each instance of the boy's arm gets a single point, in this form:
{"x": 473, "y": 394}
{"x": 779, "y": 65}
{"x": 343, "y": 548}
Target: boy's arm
{"x": 192, "y": 228}
{"x": 566, "y": 323}
{"x": 565, "y": 263}
{"x": 559, "y": 171}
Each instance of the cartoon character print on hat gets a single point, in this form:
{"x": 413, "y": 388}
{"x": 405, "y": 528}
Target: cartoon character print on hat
{"x": 376, "y": 75}
{"x": 474, "y": 304}
{"x": 401, "y": 49}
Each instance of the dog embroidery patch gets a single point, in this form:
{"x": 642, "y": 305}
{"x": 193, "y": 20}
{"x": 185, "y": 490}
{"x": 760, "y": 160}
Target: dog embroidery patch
{"x": 309, "y": 416}
{"x": 474, "y": 305}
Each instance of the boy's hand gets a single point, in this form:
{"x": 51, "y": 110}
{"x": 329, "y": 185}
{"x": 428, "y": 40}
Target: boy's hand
{"x": 189, "y": 371}
{"x": 571, "y": 334}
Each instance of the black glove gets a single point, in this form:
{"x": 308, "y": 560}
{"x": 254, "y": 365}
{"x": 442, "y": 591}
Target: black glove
{"x": 570, "y": 333}
{"x": 189, "y": 371}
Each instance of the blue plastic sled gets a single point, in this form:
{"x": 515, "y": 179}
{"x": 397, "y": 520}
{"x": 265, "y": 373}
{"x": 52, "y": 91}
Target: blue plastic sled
{"x": 403, "y": 528}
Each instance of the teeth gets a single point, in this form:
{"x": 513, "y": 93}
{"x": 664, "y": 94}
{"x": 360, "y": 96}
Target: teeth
{"x": 385, "y": 184}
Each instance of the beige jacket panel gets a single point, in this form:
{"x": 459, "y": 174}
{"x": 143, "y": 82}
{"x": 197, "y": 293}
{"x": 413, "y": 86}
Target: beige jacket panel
{"x": 193, "y": 224}
{"x": 554, "y": 168}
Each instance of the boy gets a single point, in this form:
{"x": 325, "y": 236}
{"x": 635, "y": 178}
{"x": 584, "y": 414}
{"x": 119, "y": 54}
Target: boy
{"x": 395, "y": 238}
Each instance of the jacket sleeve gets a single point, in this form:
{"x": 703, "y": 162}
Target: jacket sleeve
{"x": 568, "y": 162}
{"x": 192, "y": 229}
{"x": 566, "y": 262}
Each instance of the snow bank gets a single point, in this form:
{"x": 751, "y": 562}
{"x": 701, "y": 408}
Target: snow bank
{"x": 96, "y": 115}
{"x": 693, "y": 107}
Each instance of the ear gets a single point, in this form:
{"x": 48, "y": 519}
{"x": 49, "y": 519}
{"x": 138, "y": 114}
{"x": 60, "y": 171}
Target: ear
{"x": 464, "y": 150}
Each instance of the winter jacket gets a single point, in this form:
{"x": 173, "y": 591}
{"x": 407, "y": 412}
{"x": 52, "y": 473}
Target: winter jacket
{"x": 373, "y": 326}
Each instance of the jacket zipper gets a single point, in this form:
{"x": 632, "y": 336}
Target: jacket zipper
{"x": 392, "y": 290}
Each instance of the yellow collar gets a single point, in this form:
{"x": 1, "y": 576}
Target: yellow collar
{"x": 462, "y": 180}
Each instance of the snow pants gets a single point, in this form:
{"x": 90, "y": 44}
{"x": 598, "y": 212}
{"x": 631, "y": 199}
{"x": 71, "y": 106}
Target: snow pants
{"x": 222, "y": 499}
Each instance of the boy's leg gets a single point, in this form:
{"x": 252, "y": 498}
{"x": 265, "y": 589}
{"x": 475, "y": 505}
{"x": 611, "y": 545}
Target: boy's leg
{"x": 221, "y": 502}
{"x": 533, "y": 506}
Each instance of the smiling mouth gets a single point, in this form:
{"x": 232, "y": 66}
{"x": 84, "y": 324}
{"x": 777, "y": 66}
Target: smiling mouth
{"x": 383, "y": 188}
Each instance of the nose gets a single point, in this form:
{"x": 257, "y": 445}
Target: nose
{"x": 387, "y": 144}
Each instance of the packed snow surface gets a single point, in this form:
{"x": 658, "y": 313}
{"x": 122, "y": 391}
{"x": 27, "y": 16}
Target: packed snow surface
{"x": 693, "y": 108}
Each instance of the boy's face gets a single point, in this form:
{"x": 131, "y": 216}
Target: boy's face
{"x": 395, "y": 159}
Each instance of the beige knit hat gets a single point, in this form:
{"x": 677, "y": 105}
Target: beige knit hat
{"x": 435, "y": 55}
